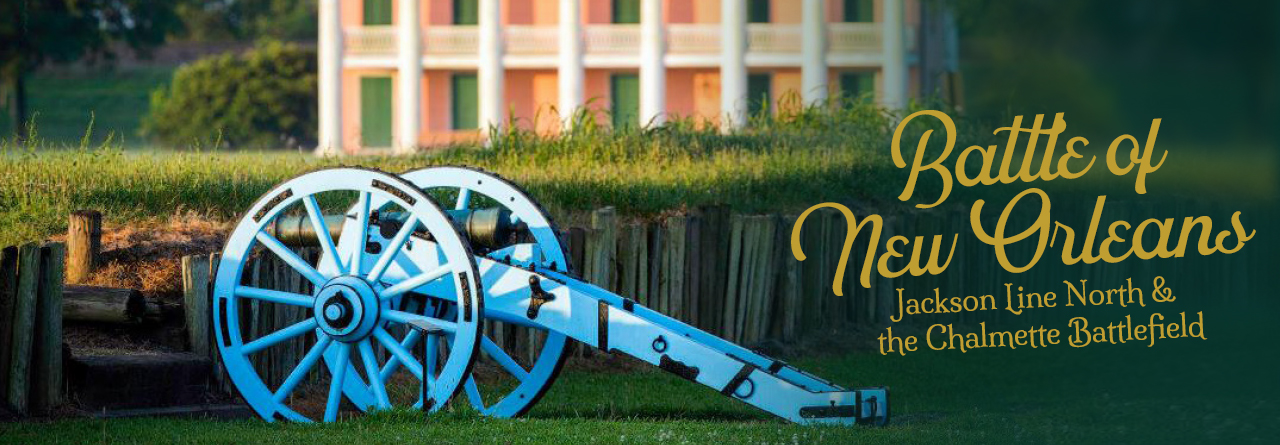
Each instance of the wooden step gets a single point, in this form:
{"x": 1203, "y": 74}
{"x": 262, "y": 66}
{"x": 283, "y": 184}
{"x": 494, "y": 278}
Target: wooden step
{"x": 156, "y": 380}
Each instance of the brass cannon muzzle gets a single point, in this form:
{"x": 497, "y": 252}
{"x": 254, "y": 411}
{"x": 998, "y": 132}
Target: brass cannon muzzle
{"x": 488, "y": 228}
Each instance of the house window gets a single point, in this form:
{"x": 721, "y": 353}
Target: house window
{"x": 859, "y": 10}
{"x": 759, "y": 92}
{"x": 466, "y": 12}
{"x": 375, "y": 111}
{"x": 758, "y": 11}
{"x": 377, "y": 12}
{"x": 857, "y": 85}
{"x": 464, "y": 105}
{"x": 625, "y": 99}
{"x": 626, "y": 11}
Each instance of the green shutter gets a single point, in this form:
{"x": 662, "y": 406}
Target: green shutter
{"x": 758, "y": 12}
{"x": 626, "y": 11}
{"x": 855, "y": 85}
{"x": 759, "y": 92}
{"x": 859, "y": 10}
{"x": 465, "y": 102}
{"x": 377, "y": 12}
{"x": 466, "y": 12}
{"x": 375, "y": 111}
{"x": 625, "y": 98}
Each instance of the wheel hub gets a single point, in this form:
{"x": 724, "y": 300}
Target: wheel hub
{"x": 347, "y": 309}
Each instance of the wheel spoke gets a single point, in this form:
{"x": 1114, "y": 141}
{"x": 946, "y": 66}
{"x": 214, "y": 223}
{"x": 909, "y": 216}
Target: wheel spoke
{"x": 292, "y": 259}
{"x": 503, "y": 359}
{"x": 339, "y": 371}
{"x": 473, "y": 394}
{"x": 393, "y": 248}
{"x": 403, "y": 317}
{"x": 403, "y": 354}
{"x": 414, "y": 282}
{"x": 274, "y": 338}
{"x": 322, "y": 233}
{"x": 464, "y": 199}
{"x": 362, "y": 236}
{"x": 371, "y": 369}
{"x": 300, "y": 371}
{"x": 393, "y": 362}
{"x": 275, "y": 296}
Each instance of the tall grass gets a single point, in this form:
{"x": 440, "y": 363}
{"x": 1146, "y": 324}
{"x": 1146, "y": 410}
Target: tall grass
{"x": 787, "y": 160}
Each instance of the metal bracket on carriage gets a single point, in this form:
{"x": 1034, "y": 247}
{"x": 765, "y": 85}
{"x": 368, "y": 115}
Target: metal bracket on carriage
{"x": 537, "y": 296}
{"x": 425, "y": 327}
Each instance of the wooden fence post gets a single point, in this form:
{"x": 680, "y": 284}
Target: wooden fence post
{"x": 604, "y": 253}
{"x": 8, "y": 298}
{"x": 24, "y": 320}
{"x": 729, "y": 328}
{"x": 674, "y": 295}
{"x": 84, "y": 243}
{"x": 195, "y": 300}
{"x": 46, "y": 368}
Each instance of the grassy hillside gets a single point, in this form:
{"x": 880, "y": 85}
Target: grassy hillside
{"x": 785, "y": 163}
{"x": 64, "y": 104}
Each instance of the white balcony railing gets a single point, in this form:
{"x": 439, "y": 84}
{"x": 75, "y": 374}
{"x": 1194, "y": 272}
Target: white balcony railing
{"x": 450, "y": 40}
{"x": 370, "y": 40}
{"x": 682, "y": 39}
{"x": 533, "y": 40}
{"x": 612, "y": 39}
{"x": 693, "y": 39}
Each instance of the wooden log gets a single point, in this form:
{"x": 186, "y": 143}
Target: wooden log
{"x": 604, "y": 223}
{"x": 8, "y": 296}
{"x": 627, "y": 267}
{"x": 577, "y": 250}
{"x": 729, "y": 326}
{"x": 791, "y": 285}
{"x": 711, "y": 248}
{"x": 643, "y": 276}
{"x": 747, "y": 315}
{"x": 99, "y": 304}
{"x": 654, "y": 297}
{"x": 692, "y": 271}
{"x": 886, "y": 292}
{"x": 195, "y": 301}
{"x": 84, "y": 244}
{"x": 23, "y": 327}
{"x": 46, "y": 368}
{"x": 676, "y": 295}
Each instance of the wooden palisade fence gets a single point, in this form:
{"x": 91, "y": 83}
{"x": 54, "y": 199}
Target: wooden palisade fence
{"x": 31, "y": 278}
{"x": 734, "y": 275}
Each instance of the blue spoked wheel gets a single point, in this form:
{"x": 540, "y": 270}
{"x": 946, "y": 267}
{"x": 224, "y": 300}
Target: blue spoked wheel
{"x": 517, "y": 379}
{"x": 513, "y": 376}
{"x": 531, "y": 371}
{"x": 358, "y": 313}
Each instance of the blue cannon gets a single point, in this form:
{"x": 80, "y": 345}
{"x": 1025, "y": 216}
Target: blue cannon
{"x": 404, "y": 288}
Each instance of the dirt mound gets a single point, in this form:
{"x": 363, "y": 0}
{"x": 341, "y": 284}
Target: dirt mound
{"x": 148, "y": 257}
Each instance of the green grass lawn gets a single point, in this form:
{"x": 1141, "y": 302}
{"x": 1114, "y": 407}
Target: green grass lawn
{"x": 1219, "y": 391}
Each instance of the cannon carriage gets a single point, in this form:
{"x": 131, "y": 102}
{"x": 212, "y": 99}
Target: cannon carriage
{"x": 402, "y": 289}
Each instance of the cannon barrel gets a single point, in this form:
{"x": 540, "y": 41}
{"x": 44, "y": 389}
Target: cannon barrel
{"x": 484, "y": 227}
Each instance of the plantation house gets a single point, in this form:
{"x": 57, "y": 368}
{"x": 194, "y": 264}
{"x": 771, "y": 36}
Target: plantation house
{"x": 399, "y": 74}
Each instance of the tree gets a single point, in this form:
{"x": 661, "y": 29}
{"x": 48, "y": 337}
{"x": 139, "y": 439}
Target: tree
{"x": 213, "y": 20}
{"x": 37, "y": 32}
{"x": 264, "y": 98}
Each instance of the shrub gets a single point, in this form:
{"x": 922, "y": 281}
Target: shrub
{"x": 264, "y": 98}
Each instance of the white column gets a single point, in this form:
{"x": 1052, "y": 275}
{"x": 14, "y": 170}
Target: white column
{"x": 490, "y": 65}
{"x": 733, "y": 64}
{"x": 570, "y": 75}
{"x": 409, "y": 98}
{"x": 330, "y": 78}
{"x": 653, "y": 72}
{"x": 813, "y": 52}
{"x": 894, "y": 69}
